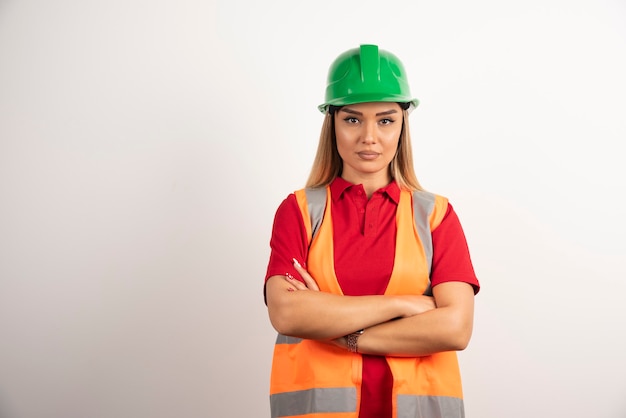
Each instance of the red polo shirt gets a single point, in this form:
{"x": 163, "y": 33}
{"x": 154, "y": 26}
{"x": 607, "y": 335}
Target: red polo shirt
{"x": 364, "y": 233}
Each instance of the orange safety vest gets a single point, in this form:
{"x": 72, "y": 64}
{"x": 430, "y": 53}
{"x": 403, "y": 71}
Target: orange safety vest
{"x": 313, "y": 379}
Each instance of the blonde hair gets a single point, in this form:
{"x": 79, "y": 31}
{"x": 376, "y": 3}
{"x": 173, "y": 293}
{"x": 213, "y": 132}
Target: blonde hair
{"x": 328, "y": 164}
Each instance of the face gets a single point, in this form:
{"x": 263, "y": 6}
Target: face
{"x": 367, "y": 140}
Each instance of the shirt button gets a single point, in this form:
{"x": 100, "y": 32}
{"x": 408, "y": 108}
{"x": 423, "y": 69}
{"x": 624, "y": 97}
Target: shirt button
{"x": 361, "y": 210}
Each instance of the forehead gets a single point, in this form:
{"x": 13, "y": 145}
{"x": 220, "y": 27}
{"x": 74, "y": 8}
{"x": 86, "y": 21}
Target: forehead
{"x": 372, "y": 108}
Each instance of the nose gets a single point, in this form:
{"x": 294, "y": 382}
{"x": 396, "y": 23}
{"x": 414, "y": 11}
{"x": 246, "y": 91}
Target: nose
{"x": 369, "y": 133}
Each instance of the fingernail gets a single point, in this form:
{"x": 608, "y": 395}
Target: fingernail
{"x": 296, "y": 262}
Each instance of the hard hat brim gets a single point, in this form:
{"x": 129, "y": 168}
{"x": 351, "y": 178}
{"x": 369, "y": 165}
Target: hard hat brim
{"x": 413, "y": 103}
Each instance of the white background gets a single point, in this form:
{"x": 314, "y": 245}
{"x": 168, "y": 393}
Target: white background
{"x": 145, "y": 145}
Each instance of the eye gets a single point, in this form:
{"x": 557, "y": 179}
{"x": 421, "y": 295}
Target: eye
{"x": 386, "y": 121}
{"x": 351, "y": 120}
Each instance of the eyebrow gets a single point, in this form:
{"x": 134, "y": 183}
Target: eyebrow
{"x": 354, "y": 112}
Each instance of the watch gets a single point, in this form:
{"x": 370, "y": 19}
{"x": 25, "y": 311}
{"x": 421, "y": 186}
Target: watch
{"x": 352, "y": 339}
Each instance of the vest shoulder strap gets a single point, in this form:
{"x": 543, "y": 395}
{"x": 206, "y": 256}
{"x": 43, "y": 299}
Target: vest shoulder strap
{"x": 316, "y": 201}
{"x": 312, "y": 203}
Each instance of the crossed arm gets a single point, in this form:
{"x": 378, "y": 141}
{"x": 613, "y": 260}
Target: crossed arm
{"x": 399, "y": 325}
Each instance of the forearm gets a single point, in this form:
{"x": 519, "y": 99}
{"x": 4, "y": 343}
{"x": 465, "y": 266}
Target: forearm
{"x": 445, "y": 328}
{"x": 320, "y": 315}
{"x": 441, "y": 329}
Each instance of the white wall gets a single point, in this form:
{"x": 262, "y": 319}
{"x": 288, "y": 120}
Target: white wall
{"x": 144, "y": 146}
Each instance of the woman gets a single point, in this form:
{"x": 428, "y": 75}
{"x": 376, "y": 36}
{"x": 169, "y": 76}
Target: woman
{"x": 370, "y": 283}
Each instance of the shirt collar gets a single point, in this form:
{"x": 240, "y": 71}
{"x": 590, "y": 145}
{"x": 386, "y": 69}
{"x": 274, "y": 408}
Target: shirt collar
{"x": 338, "y": 186}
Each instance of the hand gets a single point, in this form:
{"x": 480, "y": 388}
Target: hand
{"x": 416, "y": 304}
{"x": 309, "y": 281}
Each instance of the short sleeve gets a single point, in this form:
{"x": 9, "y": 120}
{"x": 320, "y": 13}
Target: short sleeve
{"x": 288, "y": 241}
{"x": 451, "y": 257}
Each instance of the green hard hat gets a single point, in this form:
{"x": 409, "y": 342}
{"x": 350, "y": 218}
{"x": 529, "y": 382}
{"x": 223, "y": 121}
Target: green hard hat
{"x": 366, "y": 74}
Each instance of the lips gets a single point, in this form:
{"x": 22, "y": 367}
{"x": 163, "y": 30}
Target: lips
{"x": 368, "y": 155}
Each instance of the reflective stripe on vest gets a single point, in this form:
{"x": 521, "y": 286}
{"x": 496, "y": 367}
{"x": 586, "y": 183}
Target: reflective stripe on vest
{"x": 314, "y": 378}
{"x": 314, "y": 401}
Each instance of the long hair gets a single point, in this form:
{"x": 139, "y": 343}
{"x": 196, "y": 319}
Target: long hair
{"x": 328, "y": 164}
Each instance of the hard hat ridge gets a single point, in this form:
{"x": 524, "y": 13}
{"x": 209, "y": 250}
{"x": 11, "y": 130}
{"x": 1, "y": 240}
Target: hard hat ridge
{"x": 370, "y": 64}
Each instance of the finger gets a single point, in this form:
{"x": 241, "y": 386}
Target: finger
{"x": 297, "y": 284}
{"x": 308, "y": 279}
{"x": 310, "y": 282}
